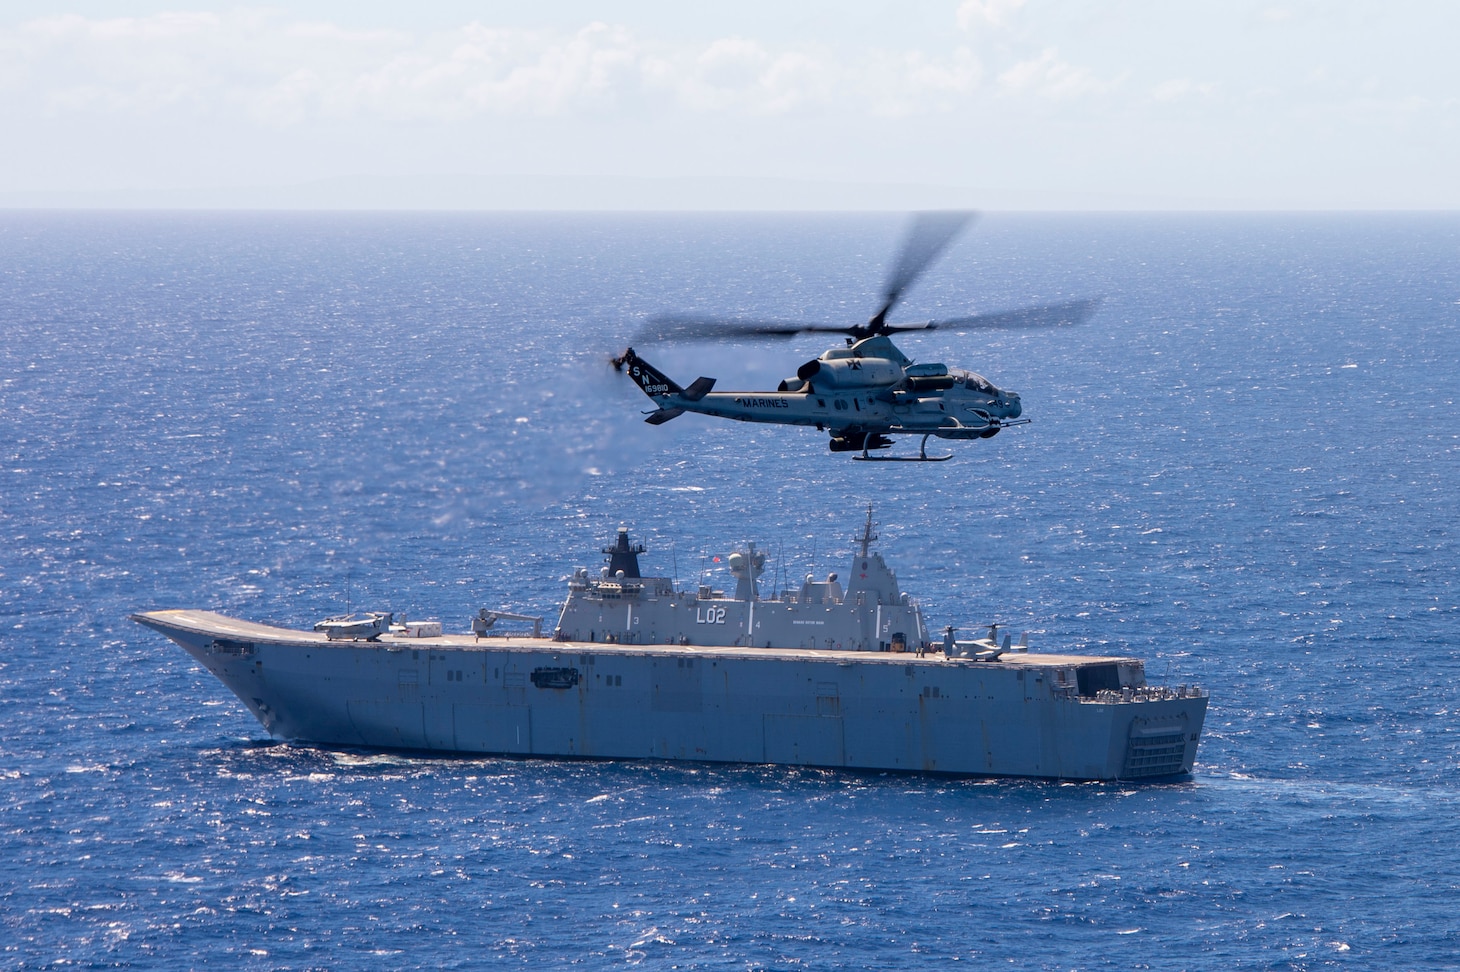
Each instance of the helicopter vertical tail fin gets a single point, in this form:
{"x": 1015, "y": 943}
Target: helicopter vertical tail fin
{"x": 661, "y": 388}
{"x": 653, "y": 382}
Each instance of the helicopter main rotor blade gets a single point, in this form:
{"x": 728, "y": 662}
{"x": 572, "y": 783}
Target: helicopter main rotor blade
{"x": 686, "y": 327}
{"x": 1046, "y": 315}
{"x": 928, "y": 237}
{"x": 679, "y": 327}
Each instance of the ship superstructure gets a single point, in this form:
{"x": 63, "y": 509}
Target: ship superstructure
{"x": 622, "y": 607}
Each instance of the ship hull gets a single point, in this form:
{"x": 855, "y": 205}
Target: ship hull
{"x": 1021, "y": 715}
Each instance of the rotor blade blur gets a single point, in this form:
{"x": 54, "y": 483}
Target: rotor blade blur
{"x": 679, "y": 327}
{"x": 928, "y": 237}
{"x": 1047, "y": 315}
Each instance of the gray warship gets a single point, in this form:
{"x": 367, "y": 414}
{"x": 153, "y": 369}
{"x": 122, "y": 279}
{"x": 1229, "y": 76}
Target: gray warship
{"x": 825, "y": 675}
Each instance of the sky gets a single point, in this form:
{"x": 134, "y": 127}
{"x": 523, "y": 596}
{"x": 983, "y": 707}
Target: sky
{"x": 1016, "y": 104}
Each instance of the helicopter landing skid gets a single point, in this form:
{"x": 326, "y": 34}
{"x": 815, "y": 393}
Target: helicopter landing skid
{"x": 922, "y": 456}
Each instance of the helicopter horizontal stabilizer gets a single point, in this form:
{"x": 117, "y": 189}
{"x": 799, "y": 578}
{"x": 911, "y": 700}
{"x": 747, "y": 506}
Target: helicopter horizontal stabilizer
{"x": 664, "y": 415}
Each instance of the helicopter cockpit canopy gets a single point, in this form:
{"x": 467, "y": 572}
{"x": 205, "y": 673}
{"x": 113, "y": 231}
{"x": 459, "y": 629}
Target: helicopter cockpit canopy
{"x": 979, "y": 384}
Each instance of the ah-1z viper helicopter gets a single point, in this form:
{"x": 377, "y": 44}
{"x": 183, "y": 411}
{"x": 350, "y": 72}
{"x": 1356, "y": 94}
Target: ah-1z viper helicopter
{"x": 868, "y": 391}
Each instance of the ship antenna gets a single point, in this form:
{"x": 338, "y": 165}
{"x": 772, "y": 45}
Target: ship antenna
{"x": 674, "y": 557}
{"x": 780, "y": 569}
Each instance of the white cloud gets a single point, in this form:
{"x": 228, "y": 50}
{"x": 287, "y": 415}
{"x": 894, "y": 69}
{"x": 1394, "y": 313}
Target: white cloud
{"x": 196, "y": 62}
{"x": 1049, "y": 76}
{"x": 738, "y": 74}
{"x": 907, "y": 84}
{"x": 239, "y": 95}
{"x": 287, "y": 73}
{"x": 995, "y": 13}
{"x": 1176, "y": 89}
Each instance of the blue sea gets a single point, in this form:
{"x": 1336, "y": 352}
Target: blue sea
{"x": 1243, "y": 469}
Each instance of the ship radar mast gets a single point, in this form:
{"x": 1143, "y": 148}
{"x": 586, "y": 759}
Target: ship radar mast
{"x": 747, "y": 565}
{"x": 624, "y": 556}
{"x": 868, "y": 537}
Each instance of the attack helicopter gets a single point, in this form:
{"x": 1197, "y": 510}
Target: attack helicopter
{"x": 868, "y": 391}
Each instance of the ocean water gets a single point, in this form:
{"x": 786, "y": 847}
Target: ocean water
{"x": 1244, "y": 469}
